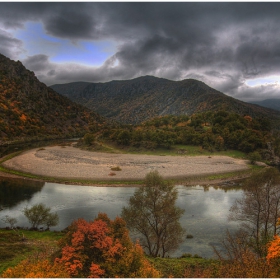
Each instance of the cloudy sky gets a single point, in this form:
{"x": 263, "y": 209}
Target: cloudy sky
{"x": 233, "y": 47}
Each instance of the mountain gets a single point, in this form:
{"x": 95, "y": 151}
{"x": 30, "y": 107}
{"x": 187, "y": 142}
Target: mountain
{"x": 269, "y": 103}
{"x": 31, "y": 110}
{"x": 134, "y": 101}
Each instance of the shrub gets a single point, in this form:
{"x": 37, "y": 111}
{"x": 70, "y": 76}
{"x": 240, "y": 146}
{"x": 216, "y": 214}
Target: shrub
{"x": 116, "y": 168}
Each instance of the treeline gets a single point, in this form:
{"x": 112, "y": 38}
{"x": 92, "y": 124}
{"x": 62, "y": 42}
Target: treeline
{"x": 212, "y": 130}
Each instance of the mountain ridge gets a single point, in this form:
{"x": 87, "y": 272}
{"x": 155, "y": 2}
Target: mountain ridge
{"x": 31, "y": 110}
{"x": 136, "y": 100}
{"x": 272, "y": 103}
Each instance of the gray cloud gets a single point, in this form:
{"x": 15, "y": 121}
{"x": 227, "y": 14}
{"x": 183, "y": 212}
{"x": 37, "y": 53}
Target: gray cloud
{"x": 222, "y": 43}
{"x": 9, "y": 46}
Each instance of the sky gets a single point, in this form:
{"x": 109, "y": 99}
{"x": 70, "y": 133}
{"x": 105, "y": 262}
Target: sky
{"x": 233, "y": 47}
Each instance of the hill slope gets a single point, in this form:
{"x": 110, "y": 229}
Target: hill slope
{"x": 269, "y": 103}
{"x": 134, "y": 101}
{"x": 31, "y": 110}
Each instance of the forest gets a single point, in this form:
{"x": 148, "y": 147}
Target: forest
{"x": 212, "y": 131}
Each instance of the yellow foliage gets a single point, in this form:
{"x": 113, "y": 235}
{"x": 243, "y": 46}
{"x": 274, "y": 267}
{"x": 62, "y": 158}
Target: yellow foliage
{"x": 39, "y": 269}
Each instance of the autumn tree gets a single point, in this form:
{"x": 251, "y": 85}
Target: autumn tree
{"x": 39, "y": 214}
{"x": 152, "y": 214}
{"x": 259, "y": 209}
{"x": 102, "y": 248}
{"x": 38, "y": 269}
{"x": 273, "y": 254}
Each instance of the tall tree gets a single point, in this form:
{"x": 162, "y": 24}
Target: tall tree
{"x": 152, "y": 214}
{"x": 259, "y": 208}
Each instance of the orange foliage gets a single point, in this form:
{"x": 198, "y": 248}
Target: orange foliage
{"x": 23, "y": 118}
{"x": 248, "y": 265}
{"x": 248, "y": 118}
{"x": 274, "y": 248}
{"x": 102, "y": 248}
{"x": 39, "y": 269}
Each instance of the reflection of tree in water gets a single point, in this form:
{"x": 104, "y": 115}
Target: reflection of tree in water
{"x": 226, "y": 186}
{"x": 13, "y": 191}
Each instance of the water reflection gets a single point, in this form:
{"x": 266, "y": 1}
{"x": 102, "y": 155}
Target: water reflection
{"x": 205, "y": 216}
{"x": 14, "y": 191}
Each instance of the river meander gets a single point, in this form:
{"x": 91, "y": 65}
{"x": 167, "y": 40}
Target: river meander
{"x": 205, "y": 217}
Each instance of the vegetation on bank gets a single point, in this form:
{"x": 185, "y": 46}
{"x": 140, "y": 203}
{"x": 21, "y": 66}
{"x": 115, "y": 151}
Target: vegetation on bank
{"x": 102, "y": 247}
{"x": 209, "y": 132}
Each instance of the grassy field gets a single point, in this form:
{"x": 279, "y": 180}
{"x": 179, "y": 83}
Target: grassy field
{"x": 173, "y": 151}
{"x": 13, "y": 249}
{"x": 181, "y": 267}
{"x": 18, "y": 245}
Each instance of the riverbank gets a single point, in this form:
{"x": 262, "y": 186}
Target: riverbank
{"x": 64, "y": 163}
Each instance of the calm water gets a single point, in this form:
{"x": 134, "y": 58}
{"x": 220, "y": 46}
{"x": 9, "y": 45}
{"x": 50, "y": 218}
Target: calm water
{"x": 205, "y": 217}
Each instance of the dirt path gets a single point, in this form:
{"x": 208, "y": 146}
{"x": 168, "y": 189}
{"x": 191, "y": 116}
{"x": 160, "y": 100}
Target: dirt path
{"x": 73, "y": 163}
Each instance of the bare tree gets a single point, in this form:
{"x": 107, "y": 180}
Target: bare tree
{"x": 153, "y": 214}
{"x": 9, "y": 220}
{"x": 259, "y": 209}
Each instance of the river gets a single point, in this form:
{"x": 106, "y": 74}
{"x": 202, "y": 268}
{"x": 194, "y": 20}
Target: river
{"x": 205, "y": 217}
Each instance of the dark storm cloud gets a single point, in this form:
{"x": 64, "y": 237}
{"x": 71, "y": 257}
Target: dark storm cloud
{"x": 9, "y": 46}
{"x": 221, "y": 43}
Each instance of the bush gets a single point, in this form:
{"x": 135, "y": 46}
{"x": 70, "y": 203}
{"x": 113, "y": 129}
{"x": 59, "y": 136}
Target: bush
{"x": 116, "y": 168}
{"x": 89, "y": 138}
{"x": 254, "y": 157}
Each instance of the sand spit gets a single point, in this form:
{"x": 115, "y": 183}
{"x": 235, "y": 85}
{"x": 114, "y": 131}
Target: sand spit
{"x": 73, "y": 163}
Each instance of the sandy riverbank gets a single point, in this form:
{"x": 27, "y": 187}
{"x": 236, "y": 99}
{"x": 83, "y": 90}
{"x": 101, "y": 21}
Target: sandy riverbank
{"x": 73, "y": 163}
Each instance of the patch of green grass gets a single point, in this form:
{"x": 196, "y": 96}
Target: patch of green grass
{"x": 16, "y": 246}
{"x": 172, "y": 267}
{"x": 189, "y": 150}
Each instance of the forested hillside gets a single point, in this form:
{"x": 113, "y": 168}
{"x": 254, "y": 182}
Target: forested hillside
{"x": 31, "y": 110}
{"x": 213, "y": 131}
{"x": 137, "y": 100}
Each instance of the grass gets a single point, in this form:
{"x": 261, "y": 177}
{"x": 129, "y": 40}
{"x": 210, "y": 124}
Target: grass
{"x": 189, "y": 150}
{"x": 14, "y": 249}
{"x": 176, "y": 268}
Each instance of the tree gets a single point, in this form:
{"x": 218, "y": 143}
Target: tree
{"x": 9, "y": 220}
{"x": 89, "y": 138}
{"x": 102, "y": 248}
{"x": 123, "y": 137}
{"x": 273, "y": 254}
{"x": 254, "y": 157}
{"x": 259, "y": 209}
{"x": 39, "y": 214}
{"x": 152, "y": 214}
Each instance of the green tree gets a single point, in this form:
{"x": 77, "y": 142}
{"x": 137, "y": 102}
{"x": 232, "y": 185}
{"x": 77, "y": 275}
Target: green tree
{"x": 39, "y": 214}
{"x": 89, "y": 138}
{"x": 124, "y": 137}
{"x": 254, "y": 157}
{"x": 152, "y": 214}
